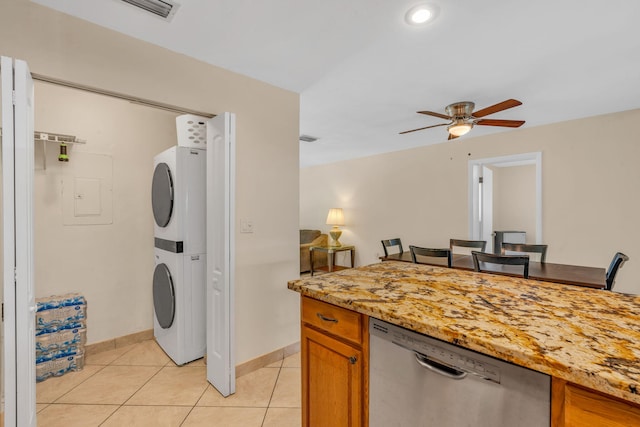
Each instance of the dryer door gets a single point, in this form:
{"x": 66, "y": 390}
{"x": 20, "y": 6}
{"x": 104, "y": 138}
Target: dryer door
{"x": 162, "y": 194}
{"x": 164, "y": 297}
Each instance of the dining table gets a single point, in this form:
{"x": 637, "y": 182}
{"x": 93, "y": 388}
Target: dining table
{"x": 591, "y": 277}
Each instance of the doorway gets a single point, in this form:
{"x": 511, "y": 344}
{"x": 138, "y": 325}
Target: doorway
{"x": 105, "y": 252}
{"x": 506, "y": 192}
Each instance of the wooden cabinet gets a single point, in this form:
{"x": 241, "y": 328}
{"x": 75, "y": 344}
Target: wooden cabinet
{"x": 575, "y": 406}
{"x": 335, "y": 368}
{"x": 335, "y": 377}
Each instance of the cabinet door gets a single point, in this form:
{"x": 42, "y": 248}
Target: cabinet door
{"x": 332, "y": 381}
{"x": 578, "y": 407}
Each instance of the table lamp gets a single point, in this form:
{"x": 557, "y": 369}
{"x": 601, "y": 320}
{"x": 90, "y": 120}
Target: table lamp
{"x": 335, "y": 218}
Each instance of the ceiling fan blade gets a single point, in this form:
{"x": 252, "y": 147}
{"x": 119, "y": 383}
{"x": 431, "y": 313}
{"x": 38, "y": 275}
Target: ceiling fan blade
{"x": 426, "y": 127}
{"x": 509, "y": 103}
{"x": 451, "y": 136}
{"x": 431, "y": 113}
{"x": 503, "y": 123}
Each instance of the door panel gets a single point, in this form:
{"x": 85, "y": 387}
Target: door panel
{"x": 19, "y": 295}
{"x": 220, "y": 253}
{"x": 8, "y": 248}
{"x": 25, "y": 292}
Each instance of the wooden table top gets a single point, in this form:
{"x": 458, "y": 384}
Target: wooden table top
{"x": 592, "y": 277}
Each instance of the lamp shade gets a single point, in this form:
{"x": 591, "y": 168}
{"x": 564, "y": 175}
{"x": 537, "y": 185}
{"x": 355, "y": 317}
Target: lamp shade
{"x": 459, "y": 128}
{"x": 335, "y": 217}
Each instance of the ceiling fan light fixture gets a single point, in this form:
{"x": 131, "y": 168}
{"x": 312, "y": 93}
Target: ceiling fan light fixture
{"x": 421, "y": 14}
{"x": 459, "y": 128}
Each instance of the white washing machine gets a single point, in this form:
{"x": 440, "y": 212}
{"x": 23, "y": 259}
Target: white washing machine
{"x": 178, "y": 199}
{"x": 179, "y": 304}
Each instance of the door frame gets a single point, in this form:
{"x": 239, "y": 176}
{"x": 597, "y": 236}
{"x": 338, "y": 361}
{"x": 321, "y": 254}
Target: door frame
{"x": 474, "y": 167}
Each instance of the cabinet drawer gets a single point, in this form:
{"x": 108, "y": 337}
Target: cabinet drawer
{"x": 335, "y": 320}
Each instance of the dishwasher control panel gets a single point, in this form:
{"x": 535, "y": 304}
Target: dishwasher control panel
{"x": 452, "y": 356}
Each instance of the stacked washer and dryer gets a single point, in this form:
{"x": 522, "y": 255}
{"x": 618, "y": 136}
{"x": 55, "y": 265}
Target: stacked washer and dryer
{"x": 178, "y": 198}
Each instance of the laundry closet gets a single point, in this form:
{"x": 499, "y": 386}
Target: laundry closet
{"x": 93, "y": 222}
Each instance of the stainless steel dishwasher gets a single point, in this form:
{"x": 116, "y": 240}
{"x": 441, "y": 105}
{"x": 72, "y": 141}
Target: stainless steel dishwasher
{"x": 419, "y": 381}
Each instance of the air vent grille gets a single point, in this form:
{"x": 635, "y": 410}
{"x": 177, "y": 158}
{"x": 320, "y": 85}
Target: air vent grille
{"x": 161, "y": 8}
{"x": 308, "y": 138}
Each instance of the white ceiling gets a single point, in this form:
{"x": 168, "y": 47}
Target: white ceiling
{"x": 362, "y": 72}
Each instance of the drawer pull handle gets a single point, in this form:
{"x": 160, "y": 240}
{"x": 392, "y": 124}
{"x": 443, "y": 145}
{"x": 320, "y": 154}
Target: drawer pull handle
{"x": 327, "y": 319}
{"x": 353, "y": 360}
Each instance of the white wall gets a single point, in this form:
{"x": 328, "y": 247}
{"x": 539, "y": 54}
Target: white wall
{"x": 514, "y": 199}
{"x": 589, "y": 173}
{"x": 59, "y": 46}
{"x": 111, "y": 264}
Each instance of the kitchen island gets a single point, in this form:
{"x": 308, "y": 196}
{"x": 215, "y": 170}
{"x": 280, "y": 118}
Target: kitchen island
{"x": 584, "y": 337}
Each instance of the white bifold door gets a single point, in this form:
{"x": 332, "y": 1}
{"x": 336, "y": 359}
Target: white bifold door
{"x": 220, "y": 253}
{"x": 18, "y": 356}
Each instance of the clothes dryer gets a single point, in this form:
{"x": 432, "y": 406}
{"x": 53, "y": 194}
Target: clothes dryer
{"x": 179, "y": 304}
{"x": 178, "y": 199}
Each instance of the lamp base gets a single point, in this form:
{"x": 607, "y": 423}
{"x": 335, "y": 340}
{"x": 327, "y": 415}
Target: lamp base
{"x": 335, "y": 234}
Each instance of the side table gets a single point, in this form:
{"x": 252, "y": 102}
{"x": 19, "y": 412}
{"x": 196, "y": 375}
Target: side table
{"x": 331, "y": 257}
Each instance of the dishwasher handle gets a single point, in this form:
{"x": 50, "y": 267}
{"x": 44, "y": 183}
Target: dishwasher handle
{"x": 439, "y": 368}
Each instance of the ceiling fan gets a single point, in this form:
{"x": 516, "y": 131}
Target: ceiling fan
{"x": 462, "y": 118}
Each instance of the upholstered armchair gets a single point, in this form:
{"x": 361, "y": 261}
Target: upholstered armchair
{"x": 310, "y": 238}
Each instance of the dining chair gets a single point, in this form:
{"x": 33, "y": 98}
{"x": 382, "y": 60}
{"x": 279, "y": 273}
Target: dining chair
{"x": 429, "y": 252}
{"x": 490, "y": 258}
{"x": 390, "y": 243}
{"x": 616, "y": 263}
{"x": 524, "y": 248}
{"x": 479, "y": 245}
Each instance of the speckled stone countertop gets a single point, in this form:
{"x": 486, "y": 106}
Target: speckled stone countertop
{"x": 585, "y": 336}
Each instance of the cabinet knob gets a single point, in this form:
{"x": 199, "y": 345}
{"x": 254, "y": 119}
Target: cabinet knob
{"x": 353, "y": 360}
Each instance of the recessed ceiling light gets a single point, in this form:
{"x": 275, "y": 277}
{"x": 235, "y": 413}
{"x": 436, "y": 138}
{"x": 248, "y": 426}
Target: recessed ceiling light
{"x": 421, "y": 14}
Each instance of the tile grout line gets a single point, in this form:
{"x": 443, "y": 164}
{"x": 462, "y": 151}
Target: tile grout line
{"x": 195, "y": 404}
{"x": 74, "y": 387}
{"x": 190, "y": 408}
{"x": 140, "y": 388}
{"x": 275, "y": 384}
{"x": 145, "y": 383}
{"x": 86, "y": 379}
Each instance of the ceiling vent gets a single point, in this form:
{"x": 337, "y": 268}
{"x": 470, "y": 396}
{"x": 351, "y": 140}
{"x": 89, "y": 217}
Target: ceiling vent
{"x": 162, "y": 8}
{"x": 308, "y": 138}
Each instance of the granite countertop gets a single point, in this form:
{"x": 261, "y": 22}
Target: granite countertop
{"x": 586, "y": 336}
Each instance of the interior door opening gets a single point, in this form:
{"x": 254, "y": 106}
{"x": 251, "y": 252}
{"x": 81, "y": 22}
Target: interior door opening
{"x": 487, "y": 183}
{"x": 50, "y": 186}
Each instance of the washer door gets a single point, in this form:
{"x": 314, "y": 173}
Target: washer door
{"x": 164, "y": 297}
{"x": 162, "y": 194}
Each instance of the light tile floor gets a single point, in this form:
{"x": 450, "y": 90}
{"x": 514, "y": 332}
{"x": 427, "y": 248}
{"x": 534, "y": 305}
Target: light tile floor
{"x": 139, "y": 385}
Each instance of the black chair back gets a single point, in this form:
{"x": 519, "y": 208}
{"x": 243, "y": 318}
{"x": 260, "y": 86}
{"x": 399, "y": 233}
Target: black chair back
{"x": 618, "y": 259}
{"x": 389, "y": 243}
{"x": 479, "y": 257}
{"x": 429, "y": 252}
{"x": 521, "y": 247}
{"x": 475, "y": 244}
